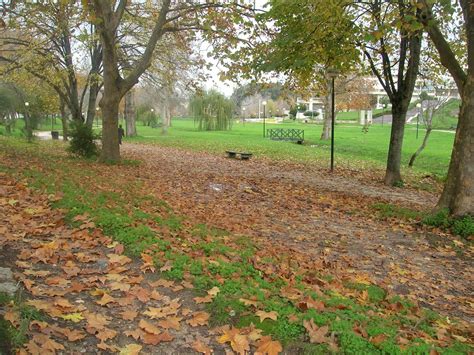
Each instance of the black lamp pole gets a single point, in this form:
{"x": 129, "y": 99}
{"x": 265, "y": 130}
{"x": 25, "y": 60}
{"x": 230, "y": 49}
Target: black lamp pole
{"x": 264, "y": 120}
{"x": 333, "y": 119}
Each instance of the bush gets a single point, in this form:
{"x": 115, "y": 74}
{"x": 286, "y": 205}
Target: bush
{"x": 311, "y": 114}
{"x": 462, "y": 226}
{"x": 82, "y": 141}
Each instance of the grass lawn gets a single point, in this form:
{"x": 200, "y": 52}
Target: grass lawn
{"x": 353, "y": 147}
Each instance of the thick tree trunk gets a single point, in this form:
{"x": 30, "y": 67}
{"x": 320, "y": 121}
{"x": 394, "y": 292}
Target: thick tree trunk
{"x": 110, "y": 142}
{"x": 393, "y": 175}
{"x": 458, "y": 193}
{"x": 420, "y": 149}
{"x": 130, "y": 126}
{"x": 326, "y": 133}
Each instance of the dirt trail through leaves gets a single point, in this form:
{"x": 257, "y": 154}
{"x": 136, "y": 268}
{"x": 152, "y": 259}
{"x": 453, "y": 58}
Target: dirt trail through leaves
{"x": 313, "y": 212}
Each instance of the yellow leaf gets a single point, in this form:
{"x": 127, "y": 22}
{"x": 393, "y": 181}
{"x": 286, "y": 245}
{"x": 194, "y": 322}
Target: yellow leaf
{"x": 131, "y": 349}
{"x": 73, "y": 317}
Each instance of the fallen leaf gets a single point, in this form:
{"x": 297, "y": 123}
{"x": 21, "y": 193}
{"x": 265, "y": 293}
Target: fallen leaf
{"x": 202, "y": 348}
{"x": 199, "y": 318}
{"x": 106, "y": 299}
{"x": 131, "y": 349}
{"x": 129, "y": 314}
{"x": 207, "y": 299}
{"x": 267, "y": 346}
{"x": 148, "y": 327}
{"x": 264, "y": 315}
{"x": 317, "y": 335}
{"x": 238, "y": 342}
{"x": 170, "y": 322}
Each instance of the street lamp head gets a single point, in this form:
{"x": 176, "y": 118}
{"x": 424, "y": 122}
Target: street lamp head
{"x": 152, "y": 110}
{"x": 97, "y": 109}
{"x": 264, "y": 103}
{"x": 27, "y": 104}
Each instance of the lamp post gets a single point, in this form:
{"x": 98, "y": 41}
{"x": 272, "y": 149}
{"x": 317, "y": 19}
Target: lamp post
{"x": 264, "y": 103}
{"x": 243, "y": 115}
{"x": 332, "y": 74}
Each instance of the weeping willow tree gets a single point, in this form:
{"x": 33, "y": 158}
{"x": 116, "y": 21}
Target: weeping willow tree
{"x": 212, "y": 111}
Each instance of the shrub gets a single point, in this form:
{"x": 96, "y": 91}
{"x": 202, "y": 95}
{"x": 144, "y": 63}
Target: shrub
{"x": 82, "y": 141}
{"x": 462, "y": 226}
{"x": 311, "y": 114}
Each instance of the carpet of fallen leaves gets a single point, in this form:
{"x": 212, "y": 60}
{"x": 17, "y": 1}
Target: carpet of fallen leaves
{"x": 313, "y": 212}
{"x": 96, "y": 297}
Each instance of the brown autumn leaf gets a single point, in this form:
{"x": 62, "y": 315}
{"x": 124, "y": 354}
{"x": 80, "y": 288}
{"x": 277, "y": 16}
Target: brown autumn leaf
{"x": 135, "y": 334}
{"x": 155, "y": 339}
{"x": 206, "y": 299}
{"x": 119, "y": 286}
{"x": 186, "y": 311}
{"x": 162, "y": 283}
{"x": 148, "y": 327}
{"x": 202, "y": 348}
{"x": 105, "y": 334}
{"x": 13, "y": 317}
{"x": 199, "y": 318}
{"x": 106, "y": 299}
{"x": 267, "y": 346}
{"x": 96, "y": 321}
{"x": 46, "y": 343}
{"x": 264, "y": 315}
{"x": 155, "y": 295}
{"x": 317, "y": 335}
{"x": 238, "y": 342}
{"x": 148, "y": 263}
{"x": 213, "y": 291}
{"x": 248, "y": 302}
{"x": 119, "y": 259}
{"x": 379, "y": 339}
{"x": 170, "y": 322}
{"x": 168, "y": 266}
{"x": 129, "y": 314}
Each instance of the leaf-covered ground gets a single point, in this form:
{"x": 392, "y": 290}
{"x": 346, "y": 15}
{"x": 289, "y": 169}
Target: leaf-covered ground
{"x": 181, "y": 251}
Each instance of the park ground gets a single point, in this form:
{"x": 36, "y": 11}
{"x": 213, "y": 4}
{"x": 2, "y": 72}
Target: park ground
{"x": 182, "y": 249}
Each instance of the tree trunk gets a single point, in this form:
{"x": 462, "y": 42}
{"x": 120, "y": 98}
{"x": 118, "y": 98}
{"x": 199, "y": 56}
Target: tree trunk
{"x": 62, "y": 108}
{"x": 91, "y": 106}
{"x": 110, "y": 143}
{"x": 393, "y": 175}
{"x": 422, "y": 146}
{"x": 458, "y": 193}
{"x": 165, "y": 112}
{"x": 130, "y": 126}
{"x": 326, "y": 134}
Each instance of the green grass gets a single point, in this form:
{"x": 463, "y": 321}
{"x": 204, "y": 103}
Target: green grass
{"x": 447, "y": 116}
{"x": 353, "y": 148}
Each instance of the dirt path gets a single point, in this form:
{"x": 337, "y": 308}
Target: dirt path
{"x": 311, "y": 211}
